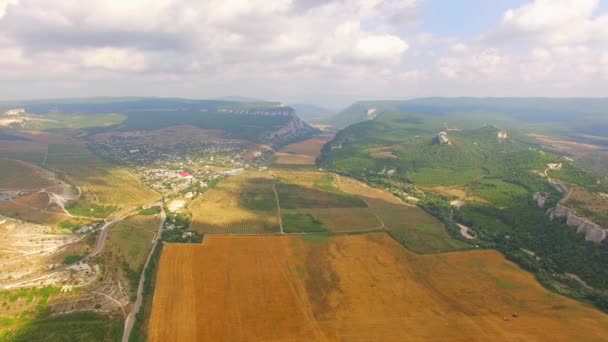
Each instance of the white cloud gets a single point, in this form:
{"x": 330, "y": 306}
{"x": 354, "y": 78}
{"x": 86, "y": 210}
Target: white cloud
{"x": 387, "y": 48}
{"x": 256, "y": 47}
{"x": 113, "y": 59}
{"x": 4, "y": 5}
{"x": 481, "y": 65}
{"x": 554, "y": 22}
{"x": 541, "y": 54}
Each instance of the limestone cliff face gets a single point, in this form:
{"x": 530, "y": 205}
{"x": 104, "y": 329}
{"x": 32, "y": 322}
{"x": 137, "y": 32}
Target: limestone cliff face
{"x": 294, "y": 129}
{"x": 592, "y": 231}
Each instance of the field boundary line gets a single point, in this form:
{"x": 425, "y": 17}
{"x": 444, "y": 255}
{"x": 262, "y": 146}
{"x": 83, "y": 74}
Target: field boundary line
{"x": 276, "y": 198}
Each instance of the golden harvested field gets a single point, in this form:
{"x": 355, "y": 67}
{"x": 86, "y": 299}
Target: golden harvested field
{"x": 244, "y": 203}
{"x": 354, "y": 288}
{"x": 301, "y": 153}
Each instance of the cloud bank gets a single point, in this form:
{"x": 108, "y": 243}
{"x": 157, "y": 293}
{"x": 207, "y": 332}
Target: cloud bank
{"x": 331, "y": 51}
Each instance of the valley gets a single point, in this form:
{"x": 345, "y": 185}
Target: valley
{"x": 217, "y": 220}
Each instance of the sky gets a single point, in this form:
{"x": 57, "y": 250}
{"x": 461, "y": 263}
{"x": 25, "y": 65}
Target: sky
{"x": 326, "y": 52}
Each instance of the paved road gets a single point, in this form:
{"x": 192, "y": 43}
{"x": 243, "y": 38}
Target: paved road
{"x": 130, "y": 320}
{"x": 101, "y": 240}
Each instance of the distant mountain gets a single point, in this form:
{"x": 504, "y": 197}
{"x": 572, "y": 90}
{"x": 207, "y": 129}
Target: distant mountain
{"x": 570, "y": 116}
{"x": 362, "y": 111}
{"x": 312, "y": 113}
{"x": 239, "y": 99}
{"x": 261, "y": 122}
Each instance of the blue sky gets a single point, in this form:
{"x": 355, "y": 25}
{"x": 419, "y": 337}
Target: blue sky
{"x": 328, "y": 52}
{"x": 465, "y": 18}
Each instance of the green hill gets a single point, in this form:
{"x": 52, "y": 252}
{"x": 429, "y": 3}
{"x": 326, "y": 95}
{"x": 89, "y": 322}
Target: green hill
{"x": 494, "y": 174}
{"x": 575, "y": 117}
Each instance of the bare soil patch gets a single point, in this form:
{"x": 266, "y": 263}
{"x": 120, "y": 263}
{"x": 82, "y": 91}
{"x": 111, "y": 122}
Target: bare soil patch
{"x": 301, "y": 153}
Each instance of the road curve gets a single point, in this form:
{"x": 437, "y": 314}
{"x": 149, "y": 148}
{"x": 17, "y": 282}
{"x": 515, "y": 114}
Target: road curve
{"x": 130, "y": 320}
{"x": 101, "y": 240}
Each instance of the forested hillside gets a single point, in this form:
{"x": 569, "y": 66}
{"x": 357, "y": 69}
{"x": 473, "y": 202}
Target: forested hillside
{"x": 582, "y": 118}
{"x": 484, "y": 177}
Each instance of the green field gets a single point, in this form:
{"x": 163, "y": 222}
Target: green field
{"x": 293, "y": 196}
{"x": 304, "y": 223}
{"x": 133, "y": 237}
{"x": 78, "y": 327}
{"x": 417, "y": 230}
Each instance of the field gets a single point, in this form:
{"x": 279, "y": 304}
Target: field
{"x": 34, "y": 207}
{"x": 362, "y": 288}
{"x": 101, "y": 182}
{"x": 29, "y": 151}
{"x": 409, "y": 225}
{"x": 19, "y": 175}
{"x": 243, "y": 203}
{"x": 72, "y": 327}
{"x": 300, "y": 153}
{"x": 133, "y": 237}
{"x": 338, "y": 219}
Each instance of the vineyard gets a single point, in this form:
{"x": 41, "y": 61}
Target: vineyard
{"x": 242, "y": 204}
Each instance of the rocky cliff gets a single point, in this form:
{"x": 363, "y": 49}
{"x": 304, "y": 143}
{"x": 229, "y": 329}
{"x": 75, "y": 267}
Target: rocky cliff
{"x": 294, "y": 129}
{"x": 592, "y": 231}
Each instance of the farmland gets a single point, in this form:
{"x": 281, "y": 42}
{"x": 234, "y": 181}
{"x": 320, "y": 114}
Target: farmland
{"x": 314, "y": 201}
{"x": 359, "y": 287}
{"x": 300, "y": 153}
{"x": 18, "y": 175}
{"x": 101, "y": 182}
{"x": 407, "y": 224}
{"x": 72, "y": 327}
{"x": 133, "y": 237}
{"x": 243, "y": 203}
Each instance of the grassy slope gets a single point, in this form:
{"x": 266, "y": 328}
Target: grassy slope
{"x": 133, "y": 236}
{"x": 498, "y": 172}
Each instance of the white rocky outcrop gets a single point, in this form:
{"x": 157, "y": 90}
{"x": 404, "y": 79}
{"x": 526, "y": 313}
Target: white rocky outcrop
{"x": 592, "y": 231}
{"x": 540, "y": 199}
{"x": 443, "y": 138}
{"x": 502, "y": 135}
{"x": 372, "y": 113}
{"x": 15, "y": 112}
